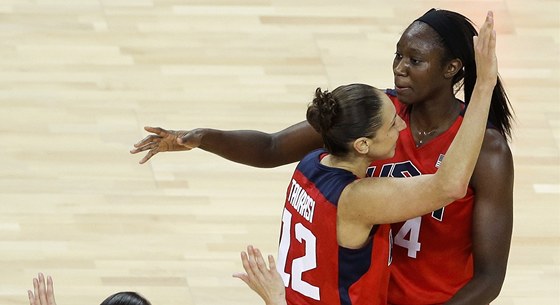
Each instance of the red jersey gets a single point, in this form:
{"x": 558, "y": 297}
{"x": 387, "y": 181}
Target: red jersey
{"x": 314, "y": 268}
{"x": 432, "y": 253}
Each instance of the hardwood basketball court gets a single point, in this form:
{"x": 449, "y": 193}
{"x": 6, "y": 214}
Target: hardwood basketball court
{"x": 79, "y": 80}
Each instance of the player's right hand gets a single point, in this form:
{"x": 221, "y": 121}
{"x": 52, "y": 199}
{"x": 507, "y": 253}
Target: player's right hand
{"x": 485, "y": 52}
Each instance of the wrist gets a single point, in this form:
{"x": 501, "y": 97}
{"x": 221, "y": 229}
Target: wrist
{"x": 201, "y": 134}
{"x": 485, "y": 85}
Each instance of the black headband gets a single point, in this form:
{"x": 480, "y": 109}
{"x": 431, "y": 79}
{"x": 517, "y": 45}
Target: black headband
{"x": 445, "y": 25}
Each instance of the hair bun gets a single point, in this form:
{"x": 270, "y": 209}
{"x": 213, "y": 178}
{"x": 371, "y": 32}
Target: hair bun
{"x": 322, "y": 112}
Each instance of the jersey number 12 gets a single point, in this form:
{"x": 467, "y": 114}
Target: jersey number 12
{"x": 300, "y": 264}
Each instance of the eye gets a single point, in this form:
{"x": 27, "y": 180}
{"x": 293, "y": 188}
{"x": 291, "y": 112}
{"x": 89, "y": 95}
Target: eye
{"x": 415, "y": 61}
{"x": 398, "y": 55}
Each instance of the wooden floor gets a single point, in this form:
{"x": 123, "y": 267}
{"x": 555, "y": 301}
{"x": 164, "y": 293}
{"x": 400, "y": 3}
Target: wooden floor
{"x": 79, "y": 79}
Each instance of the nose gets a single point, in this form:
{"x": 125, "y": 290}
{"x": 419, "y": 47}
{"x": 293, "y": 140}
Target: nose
{"x": 400, "y": 67}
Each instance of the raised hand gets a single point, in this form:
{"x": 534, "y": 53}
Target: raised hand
{"x": 162, "y": 140}
{"x": 43, "y": 293}
{"x": 265, "y": 281}
{"x": 485, "y": 52}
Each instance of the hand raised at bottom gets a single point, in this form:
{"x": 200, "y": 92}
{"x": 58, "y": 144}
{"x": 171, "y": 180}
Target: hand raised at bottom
{"x": 43, "y": 292}
{"x": 265, "y": 281}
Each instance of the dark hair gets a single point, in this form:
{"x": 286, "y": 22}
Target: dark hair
{"x": 455, "y": 32}
{"x": 126, "y": 298}
{"x": 344, "y": 115}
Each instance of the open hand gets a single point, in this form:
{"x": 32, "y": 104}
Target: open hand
{"x": 162, "y": 140}
{"x": 43, "y": 292}
{"x": 265, "y": 281}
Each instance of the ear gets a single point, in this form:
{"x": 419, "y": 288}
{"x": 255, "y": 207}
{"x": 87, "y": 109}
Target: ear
{"x": 361, "y": 145}
{"x": 452, "y": 68}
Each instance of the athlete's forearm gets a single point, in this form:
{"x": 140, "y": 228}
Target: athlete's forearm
{"x": 457, "y": 168}
{"x": 242, "y": 146}
{"x": 479, "y": 291}
{"x": 261, "y": 149}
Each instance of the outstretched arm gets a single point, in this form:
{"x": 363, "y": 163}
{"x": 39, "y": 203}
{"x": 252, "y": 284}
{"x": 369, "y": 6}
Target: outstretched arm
{"x": 248, "y": 147}
{"x": 265, "y": 281}
{"x": 492, "y": 222}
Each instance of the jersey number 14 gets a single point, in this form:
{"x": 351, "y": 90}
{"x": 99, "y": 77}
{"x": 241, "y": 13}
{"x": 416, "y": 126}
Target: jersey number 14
{"x": 411, "y": 227}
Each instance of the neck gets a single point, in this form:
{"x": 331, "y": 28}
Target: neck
{"x": 436, "y": 114}
{"x": 356, "y": 164}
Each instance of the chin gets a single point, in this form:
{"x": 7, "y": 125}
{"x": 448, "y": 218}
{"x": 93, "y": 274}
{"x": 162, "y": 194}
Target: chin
{"x": 404, "y": 99}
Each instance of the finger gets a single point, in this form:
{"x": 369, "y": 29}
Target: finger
{"x": 242, "y": 276}
{"x": 31, "y": 297}
{"x": 150, "y": 154}
{"x": 42, "y": 290}
{"x": 50, "y": 291}
{"x": 493, "y": 41}
{"x": 482, "y": 36}
{"x": 272, "y": 263}
{"x": 36, "y": 291}
{"x": 257, "y": 263}
{"x": 246, "y": 264}
{"x": 260, "y": 261}
{"x": 157, "y": 130}
{"x": 488, "y": 28}
{"x": 148, "y": 139}
{"x": 144, "y": 147}
{"x": 490, "y": 15}
{"x": 253, "y": 263}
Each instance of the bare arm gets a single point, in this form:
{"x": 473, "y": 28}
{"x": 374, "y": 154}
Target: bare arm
{"x": 389, "y": 200}
{"x": 248, "y": 147}
{"x": 492, "y": 222}
{"x": 260, "y": 149}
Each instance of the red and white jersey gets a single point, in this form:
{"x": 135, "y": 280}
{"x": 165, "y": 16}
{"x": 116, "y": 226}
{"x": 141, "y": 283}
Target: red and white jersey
{"x": 314, "y": 268}
{"x": 432, "y": 253}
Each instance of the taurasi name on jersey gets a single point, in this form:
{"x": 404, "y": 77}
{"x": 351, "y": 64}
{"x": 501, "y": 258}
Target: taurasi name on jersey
{"x": 301, "y": 201}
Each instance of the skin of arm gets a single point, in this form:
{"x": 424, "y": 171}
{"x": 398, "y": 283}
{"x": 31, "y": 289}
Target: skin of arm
{"x": 261, "y": 149}
{"x": 249, "y": 147}
{"x": 492, "y": 222}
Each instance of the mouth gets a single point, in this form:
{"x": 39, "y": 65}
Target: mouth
{"x": 402, "y": 90}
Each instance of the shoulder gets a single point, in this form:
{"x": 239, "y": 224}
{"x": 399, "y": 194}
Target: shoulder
{"x": 495, "y": 162}
{"x": 494, "y": 144}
